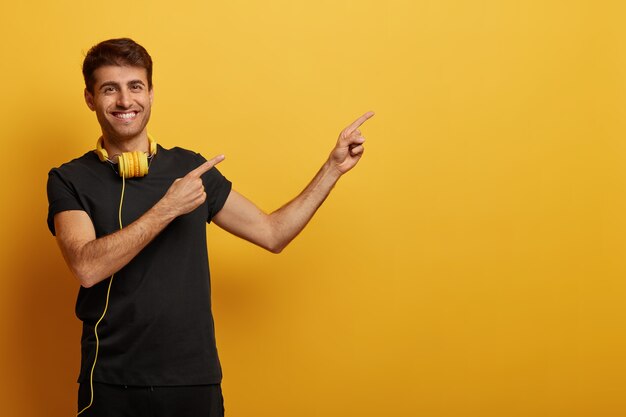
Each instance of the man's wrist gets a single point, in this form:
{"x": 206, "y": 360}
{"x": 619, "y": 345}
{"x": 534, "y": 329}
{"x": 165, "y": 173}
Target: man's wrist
{"x": 331, "y": 171}
{"x": 163, "y": 211}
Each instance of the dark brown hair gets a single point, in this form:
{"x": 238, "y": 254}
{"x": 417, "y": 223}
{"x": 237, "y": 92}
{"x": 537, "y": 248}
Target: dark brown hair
{"x": 120, "y": 52}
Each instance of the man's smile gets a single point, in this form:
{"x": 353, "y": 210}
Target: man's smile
{"x": 124, "y": 115}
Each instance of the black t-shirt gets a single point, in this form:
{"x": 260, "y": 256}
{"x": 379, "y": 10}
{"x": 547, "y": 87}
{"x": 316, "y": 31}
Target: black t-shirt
{"x": 158, "y": 329}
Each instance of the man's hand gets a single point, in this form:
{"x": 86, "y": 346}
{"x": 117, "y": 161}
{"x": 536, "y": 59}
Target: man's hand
{"x": 187, "y": 193}
{"x": 349, "y": 148}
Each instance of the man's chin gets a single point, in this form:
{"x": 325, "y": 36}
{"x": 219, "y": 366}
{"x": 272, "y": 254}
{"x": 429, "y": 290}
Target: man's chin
{"x": 122, "y": 136}
{"x": 128, "y": 132}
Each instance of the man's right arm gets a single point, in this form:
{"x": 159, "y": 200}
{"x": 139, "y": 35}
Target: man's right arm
{"x": 92, "y": 260}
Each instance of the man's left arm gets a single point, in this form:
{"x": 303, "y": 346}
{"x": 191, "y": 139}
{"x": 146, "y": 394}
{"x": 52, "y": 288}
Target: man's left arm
{"x": 274, "y": 231}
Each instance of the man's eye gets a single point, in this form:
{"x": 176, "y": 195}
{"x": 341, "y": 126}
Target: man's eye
{"x": 136, "y": 87}
{"x": 109, "y": 89}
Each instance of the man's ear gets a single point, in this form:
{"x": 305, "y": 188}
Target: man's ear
{"x": 151, "y": 95}
{"x": 89, "y": 100}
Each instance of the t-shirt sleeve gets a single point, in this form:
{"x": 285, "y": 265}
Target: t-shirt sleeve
{"x": 217, "y": 189}
{"x": 61, "y": 197}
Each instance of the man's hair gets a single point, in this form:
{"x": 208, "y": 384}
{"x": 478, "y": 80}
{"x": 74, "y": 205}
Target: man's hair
{"x": 119, "y": 52}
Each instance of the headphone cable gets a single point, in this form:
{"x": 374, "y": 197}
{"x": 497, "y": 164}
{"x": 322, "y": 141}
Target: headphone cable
{"x": 106, "y": 307}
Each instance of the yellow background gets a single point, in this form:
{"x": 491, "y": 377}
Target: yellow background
{"x": 471, "y": 265}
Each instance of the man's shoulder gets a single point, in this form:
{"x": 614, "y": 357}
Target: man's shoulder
{"x": 187, "y": 160}
{"x": 83, "y": 167}
{"x": 87, "y": 159}
{"x": 178, "y": 155}
{"x": 178, "y": 151}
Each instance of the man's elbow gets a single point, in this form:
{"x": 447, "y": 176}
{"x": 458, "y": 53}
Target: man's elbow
{"x": 274, "y": 244}
{"x": 84, "y": 275}
{"x": 275, "y": 249}
{"x": 85, "y": 280}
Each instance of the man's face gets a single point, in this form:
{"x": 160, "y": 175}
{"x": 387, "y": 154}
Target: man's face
{"x": 122, "y": 101}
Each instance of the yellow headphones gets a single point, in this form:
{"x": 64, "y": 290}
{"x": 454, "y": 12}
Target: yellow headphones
{"x": 130, "y": 164}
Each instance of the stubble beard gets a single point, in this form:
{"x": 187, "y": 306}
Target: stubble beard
{"x": 119, "y": 132}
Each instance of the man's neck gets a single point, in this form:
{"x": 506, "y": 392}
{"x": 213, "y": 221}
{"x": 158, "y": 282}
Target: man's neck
{"x": 117, "y": 145}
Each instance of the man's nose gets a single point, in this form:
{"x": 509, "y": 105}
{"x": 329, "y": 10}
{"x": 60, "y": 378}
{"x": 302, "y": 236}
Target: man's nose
{"x": 123, "y": 99}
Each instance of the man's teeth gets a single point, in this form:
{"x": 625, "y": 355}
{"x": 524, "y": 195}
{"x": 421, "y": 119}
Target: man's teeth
{"x": 125, "y": 115}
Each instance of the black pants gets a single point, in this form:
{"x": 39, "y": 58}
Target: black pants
{"x": 129, "y": 401}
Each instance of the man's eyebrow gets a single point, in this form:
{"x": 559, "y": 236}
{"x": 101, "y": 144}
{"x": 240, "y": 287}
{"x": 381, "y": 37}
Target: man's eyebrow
{"x": 107, "y": 84}
{"x": 115, "y": 84}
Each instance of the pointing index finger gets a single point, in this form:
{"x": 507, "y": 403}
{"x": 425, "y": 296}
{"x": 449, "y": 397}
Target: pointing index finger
{"x": 358, "y": 122}
{"x": 197, "y": 172}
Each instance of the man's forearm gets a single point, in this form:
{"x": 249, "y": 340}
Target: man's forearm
{"x": 289, "y": 220}
{"x": 98, "y": 259}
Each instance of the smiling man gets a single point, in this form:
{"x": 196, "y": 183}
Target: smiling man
{"x": 120, "y": 116}
{"x": 130, "y": 220}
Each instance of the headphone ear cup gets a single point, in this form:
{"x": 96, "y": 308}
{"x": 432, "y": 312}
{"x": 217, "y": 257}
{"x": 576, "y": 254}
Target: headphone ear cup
{"x": 138, "y": 170}
{"x": 133, "y": 164}
{"x": 153, "y": 145}
{"x": 143, "y": 162}
{"x": 121, "y": 165}
{"x": 130, "y": 164}
{"x": 100, "y": 151}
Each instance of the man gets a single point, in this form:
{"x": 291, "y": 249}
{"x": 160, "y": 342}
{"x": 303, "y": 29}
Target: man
{"x": 137, "y": 244}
